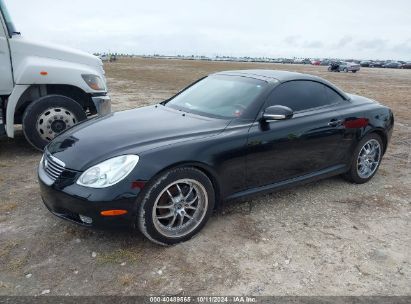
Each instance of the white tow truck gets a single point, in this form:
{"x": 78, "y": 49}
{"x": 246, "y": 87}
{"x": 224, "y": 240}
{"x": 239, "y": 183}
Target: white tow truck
{"x": 46, "y": 88}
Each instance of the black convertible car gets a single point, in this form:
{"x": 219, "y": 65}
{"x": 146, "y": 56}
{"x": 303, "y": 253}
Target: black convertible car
{"x": 164, "y": 168}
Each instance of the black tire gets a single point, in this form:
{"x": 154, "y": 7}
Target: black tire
{"x": 37, "y": 107}
{"x": 154, "y": 189}
{"x": 354, "y": 71}
{"x": 352, "y": 175}
{"x": 345, "y": 70}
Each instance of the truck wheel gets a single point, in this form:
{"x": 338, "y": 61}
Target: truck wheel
{"x": 48, "y": 116}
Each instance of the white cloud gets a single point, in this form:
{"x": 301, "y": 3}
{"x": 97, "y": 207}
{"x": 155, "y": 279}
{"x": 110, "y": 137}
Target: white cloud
{"x": 317, "y": 28}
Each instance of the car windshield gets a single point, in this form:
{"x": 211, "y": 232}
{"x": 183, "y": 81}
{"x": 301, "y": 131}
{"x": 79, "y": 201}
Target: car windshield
{"x": 219, "y": 96}
{"x": 9, "y": 23}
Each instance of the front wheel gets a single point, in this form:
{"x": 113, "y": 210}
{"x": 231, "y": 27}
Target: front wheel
{"x": 366, "y": 160}
{"x": 48, "y": 116}
{"x": 345, "y": 70}
{"x": 176, "y": 206}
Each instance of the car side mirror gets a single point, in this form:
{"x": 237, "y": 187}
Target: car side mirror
{"x": 277, "y": 113}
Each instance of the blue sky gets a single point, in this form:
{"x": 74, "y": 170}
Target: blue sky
{"x": 293, "y": 28}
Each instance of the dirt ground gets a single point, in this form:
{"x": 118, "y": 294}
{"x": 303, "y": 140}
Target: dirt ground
{"x": 327, "y": 238}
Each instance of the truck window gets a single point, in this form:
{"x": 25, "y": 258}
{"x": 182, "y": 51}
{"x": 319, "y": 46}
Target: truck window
{"x": 9, "y": 23}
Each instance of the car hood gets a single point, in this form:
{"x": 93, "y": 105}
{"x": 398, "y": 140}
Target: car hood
{"x": 129, "y": 132}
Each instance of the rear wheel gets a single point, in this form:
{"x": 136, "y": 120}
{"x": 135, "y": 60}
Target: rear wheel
{"x": 354, "y": 71}
{"x": 176, "y": 206}
{"x": 366, "y": 160}
{"x": 345, "y": 70}
{"x": 48, "y": 116}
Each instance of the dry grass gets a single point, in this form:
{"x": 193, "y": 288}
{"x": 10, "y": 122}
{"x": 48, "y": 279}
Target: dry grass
{"x": 17, "y": 264}
{"x": 10, "y": 259}
{"x": 119, "y": 256}
{"x": 126, "y": 279}
{"x": 7, "y": 248}
{"x": 6, "y": 206}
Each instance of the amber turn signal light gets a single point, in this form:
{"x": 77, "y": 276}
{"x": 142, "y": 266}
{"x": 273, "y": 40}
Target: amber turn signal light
{"x": 113, "y": 212}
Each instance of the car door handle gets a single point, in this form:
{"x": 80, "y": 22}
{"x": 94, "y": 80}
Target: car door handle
{"x": 335, "y": 122}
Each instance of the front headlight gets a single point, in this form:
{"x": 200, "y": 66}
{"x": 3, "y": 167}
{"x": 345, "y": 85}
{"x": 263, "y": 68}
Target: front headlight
{"x": 109, "y": 172}
{"x": 94, "y": 82}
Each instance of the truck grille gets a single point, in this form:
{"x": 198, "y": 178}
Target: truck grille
{"x": 52, "y": 166}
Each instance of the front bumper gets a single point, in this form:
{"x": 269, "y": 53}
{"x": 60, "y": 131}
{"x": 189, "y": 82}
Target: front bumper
{"x": 102, "y": 104}
{"x": 67, "y": 200}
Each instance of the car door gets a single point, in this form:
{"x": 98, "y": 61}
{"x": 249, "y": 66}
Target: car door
{"x": 307, "y": 143}
{"x": 6, "y": 78}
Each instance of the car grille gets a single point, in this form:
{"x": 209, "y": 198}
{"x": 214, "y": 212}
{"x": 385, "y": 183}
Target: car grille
{"x": 53, "y": 166}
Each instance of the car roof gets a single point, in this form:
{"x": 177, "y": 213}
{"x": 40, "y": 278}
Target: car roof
{"x": 266, "y": 74}
{"x": 281, "y": 76}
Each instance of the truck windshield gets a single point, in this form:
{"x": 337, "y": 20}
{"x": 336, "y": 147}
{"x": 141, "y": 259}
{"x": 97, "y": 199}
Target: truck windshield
{"x": 9, "y": 23}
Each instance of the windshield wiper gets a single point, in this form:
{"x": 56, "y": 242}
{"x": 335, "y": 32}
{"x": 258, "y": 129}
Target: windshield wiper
{"x": 16, "y": 33}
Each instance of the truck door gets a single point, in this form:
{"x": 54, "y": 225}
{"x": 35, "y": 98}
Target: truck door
{"x": 6, "y": 77}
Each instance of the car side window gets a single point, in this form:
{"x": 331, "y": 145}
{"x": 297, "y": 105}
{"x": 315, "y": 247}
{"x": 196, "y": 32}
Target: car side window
{"x": 302, "y": 95}
{"x": 332, "y": 96}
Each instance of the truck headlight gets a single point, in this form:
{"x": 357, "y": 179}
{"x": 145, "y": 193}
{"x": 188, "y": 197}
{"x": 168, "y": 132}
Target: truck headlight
{"x": 109, "y": 172}
{"x": 94, "y": 82}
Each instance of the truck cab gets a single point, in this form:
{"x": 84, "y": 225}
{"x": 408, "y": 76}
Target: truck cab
{"x": 46, "y": 88}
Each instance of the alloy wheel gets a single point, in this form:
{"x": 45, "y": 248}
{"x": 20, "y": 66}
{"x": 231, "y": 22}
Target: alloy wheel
{"x": 368, "y": 159}
{"x": 180, "y": 208}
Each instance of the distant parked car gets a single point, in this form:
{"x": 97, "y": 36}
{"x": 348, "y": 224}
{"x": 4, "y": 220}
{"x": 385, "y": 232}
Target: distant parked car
{"x": 334, "y": 66}
{"x": 350, "y": 67}
{"x": 392, "y": 65}
{"x": 104, "y": 57}
{"x": 406, "y": 65}
{"x": 365, "y": 63}
{"x": 315, "y": 62}
{"x": 346, "y": 67}
{"x": 377, "y": 64}
{"x": 325, "y": 62}
{"x": 304, "y": 61}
